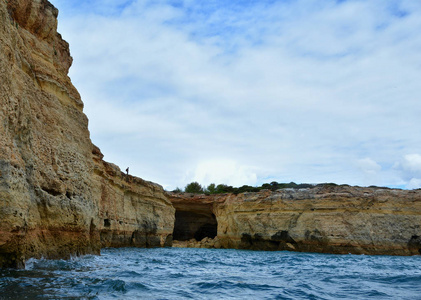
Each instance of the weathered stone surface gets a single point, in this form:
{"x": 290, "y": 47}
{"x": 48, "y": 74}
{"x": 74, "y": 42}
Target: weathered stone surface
{"x": 55, "y": 190}
{"x": 194, "y": 218}
{"x": 132, "y": 212}
{"x": 326, "y": 219}
{"x": 210, "y": 243}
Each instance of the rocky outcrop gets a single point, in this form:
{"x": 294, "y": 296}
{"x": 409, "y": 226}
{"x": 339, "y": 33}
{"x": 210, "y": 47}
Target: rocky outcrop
{"x": 57, "y": 196}
{"x": 327, "y": 219}
{"x": 132, "y": 212}
{"x": 207, "y": 242}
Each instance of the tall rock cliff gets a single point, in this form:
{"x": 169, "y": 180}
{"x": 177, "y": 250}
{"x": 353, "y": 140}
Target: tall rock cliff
{"x": 328, "y": 219}
{"x": 132, "y": 211}
{"x": 57, "y": 196}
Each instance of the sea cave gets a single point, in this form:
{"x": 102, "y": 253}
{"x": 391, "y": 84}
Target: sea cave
{"x": 194, "y": 225}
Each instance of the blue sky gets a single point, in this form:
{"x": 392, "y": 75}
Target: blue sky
{"x": 247, "y": 92}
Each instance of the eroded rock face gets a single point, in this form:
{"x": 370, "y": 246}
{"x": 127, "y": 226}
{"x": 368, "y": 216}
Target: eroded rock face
{"x": 194, "y": 217}
{"x": 132, "y": 212}
{"x": 207, "y": 242}
{"x": 55, "y": 190}
{"x": 323, "y": 219}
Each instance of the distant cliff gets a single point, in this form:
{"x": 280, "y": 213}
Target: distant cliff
{"x": 327, "y": 219}
{"x": 57, "y": 196}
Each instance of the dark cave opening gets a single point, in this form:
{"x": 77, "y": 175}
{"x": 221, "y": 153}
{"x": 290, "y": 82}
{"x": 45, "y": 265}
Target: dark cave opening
{"x": 190, "y": 225}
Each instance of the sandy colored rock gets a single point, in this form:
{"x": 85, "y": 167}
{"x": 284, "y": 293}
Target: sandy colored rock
{"x": 132, "y": 212}
{"x": 208, "y": 243}
{"x": 55, "y": 190}
{"x": 328, "y": 219}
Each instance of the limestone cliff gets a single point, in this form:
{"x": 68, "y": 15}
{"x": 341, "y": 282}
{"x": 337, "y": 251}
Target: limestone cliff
{"x": 327, "y": 219}
{"x": 57, "y": 196}
{"x": 132, "y": 211}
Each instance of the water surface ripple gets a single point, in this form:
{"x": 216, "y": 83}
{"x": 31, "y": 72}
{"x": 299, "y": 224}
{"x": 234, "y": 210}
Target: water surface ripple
{"x": 174, "y": 273}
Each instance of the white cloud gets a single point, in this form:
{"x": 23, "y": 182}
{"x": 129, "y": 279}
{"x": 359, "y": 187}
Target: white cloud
{"x": 291, "y": 91}
{"x": 414, "y": 183}
{"x": 410, "y": 170}
{"x": 369, "y": 166}
{"x": 223, "y": 171}
{"x": 412, "y": 164}
{"x": 370, "y": 170}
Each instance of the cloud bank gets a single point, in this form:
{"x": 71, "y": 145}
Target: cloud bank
{"x": 247, "y": 93}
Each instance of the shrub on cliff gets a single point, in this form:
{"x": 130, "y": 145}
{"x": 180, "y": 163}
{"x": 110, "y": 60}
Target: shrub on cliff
{"x": 194, "y": 188}
{"x": 223, "y": 188}
{"x": 246, "y": 188}
{"x": 211, "y": 189}
{"x": 177, "y": 190}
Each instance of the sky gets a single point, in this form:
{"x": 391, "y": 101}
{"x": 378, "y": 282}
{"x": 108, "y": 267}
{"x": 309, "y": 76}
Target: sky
{"x": 247, "y": 92}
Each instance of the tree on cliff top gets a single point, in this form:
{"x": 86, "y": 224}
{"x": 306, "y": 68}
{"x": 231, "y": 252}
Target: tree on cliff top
{"x": 194, "y": 188}
{"x": 211, "y": 189}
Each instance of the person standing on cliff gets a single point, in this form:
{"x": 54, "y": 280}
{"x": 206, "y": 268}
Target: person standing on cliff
{"x": 127, "y": 170}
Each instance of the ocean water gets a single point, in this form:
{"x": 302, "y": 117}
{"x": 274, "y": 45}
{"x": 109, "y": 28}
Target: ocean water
{"x": 176, "y": 273}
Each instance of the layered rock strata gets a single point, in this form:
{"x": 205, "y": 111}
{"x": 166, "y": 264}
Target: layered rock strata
{"x": 132, "y": 212}
{"x": 324, "y": 219}
{"x": 57, "y": 196}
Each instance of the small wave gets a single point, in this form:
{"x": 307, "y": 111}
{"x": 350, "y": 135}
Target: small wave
{"x": 56, "y": 265}
{"x": 137, "y": 286}
{"x": 111, "y": 285}
{"x": 128, "y": 274}
{"x": 402, "y": 279}
{"x": 176, "y": 275}
{"x": 225, "y": 284}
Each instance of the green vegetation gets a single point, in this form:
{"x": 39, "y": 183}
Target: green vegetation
{"x": 211, "y": 189}
{"x": 196, "y": 188}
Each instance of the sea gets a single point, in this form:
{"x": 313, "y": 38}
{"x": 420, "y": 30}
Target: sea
{"x": 188, "y": 273}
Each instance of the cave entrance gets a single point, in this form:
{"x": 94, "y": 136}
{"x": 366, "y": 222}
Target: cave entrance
{"x": 189, "y": 225}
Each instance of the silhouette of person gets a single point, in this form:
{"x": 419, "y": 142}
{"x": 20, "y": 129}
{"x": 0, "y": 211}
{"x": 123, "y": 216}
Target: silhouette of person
{"x": 127, "y": 171}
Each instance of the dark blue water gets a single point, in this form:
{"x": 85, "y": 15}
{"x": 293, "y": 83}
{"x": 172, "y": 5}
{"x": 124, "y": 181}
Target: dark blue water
{"x": 174, "y": 273}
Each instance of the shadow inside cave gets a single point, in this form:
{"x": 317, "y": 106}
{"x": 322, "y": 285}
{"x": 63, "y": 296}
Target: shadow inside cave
{"x": 191, "y": 225}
